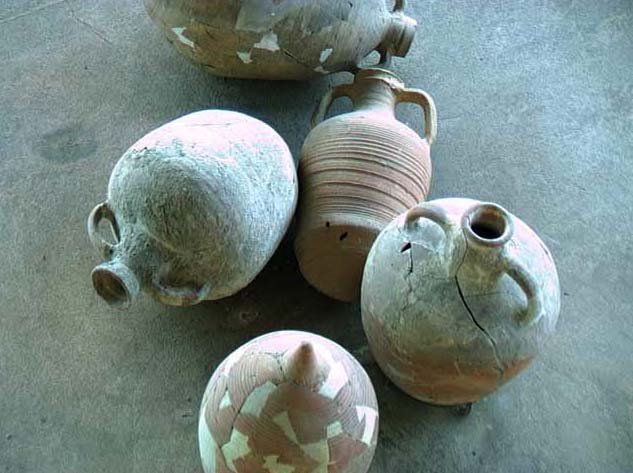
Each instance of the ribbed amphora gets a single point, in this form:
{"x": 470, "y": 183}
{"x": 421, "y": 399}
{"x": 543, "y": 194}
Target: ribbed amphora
{"x": 358, "y": 171}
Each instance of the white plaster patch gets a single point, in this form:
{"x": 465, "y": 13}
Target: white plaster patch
{"x": 245, "y": 56}
{"x": 271, "y": 464}
{"x": 334, "y": 429}
{"x": 179, "y": 32}
{"x": 236, "y": 447}
{"x": 324, "y": 354}
{"x": 256, "y": 400}
{"x": 283, "y": 421}
{"x": 269, "y": 42}
{"x": 226, "y": 400}
{"x": 336, "y": 379}
{"x": 326, "y": 53}
{"x": 207, "y": 444}
{"x": 320, "y": 452}
{"x": 320, "y": 70}
{"x": 370, "y": 415}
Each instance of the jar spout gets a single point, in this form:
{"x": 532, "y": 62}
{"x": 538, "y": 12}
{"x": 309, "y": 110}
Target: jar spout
{"x": 303, "y": 365}
{"x": 116, "y": 283}
{"x": 400, "y": 34}
{"x": 487, "y": 225}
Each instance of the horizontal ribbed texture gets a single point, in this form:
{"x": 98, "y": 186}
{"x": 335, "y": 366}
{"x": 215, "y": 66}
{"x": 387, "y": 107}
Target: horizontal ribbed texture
{"x": 358, "y": 165}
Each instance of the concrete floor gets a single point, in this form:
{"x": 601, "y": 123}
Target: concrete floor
{"x": 535, "y": 105}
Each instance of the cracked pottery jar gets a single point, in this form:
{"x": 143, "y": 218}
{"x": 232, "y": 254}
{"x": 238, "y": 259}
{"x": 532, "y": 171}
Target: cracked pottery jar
{"x": 282, "y": 39}
{"x": 458, "y": 297}
{"x": 197, "y": 208}
{"x": 358, "y": 171}
{"x": 288, "y": 402}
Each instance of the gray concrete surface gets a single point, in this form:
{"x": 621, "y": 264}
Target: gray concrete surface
{"x": 535, "y": 101}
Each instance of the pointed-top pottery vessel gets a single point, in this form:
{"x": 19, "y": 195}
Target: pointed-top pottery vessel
{"x": 288, "y": 402}
{"x": 458, "y": 297}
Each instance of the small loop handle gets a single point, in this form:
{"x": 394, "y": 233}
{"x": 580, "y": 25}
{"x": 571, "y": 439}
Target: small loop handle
{"x": 424, "y": 100}
{"x": 384, "y": 62}
{"x": 429, "y": 211}
{"x": 99, "y": 213}
{"x": 180, "y": 296}
{"x": 343, "y": 90}
{"x": 530, "y": 286}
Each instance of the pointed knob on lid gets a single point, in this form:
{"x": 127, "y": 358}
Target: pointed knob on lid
{"x": 304, "y": 366}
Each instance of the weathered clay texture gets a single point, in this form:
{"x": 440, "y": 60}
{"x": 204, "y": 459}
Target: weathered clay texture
{"x": 282, "y": 39}
{"x": 288, "y": 402}
{"x": 458, "y": 297}
{"x": 198, "y": 206}
{"x": 359, "y": 171}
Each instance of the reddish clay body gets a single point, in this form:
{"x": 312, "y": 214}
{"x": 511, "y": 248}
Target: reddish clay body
{"x": 358, "y": 172}
{"x": 288, "y": 402}
{"x": 458, "y": 297}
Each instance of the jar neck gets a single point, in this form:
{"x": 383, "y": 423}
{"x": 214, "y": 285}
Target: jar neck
{"x": 487, "y": 228}
{"x": 377, "y": 96}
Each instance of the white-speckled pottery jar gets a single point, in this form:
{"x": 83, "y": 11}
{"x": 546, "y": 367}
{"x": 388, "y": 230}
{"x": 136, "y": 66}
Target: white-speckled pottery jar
{"x": 288, "y": 402}
{"x": 282, "y": 39}
{"x": 458, "y": 297}
{"x": 197, "y": 206}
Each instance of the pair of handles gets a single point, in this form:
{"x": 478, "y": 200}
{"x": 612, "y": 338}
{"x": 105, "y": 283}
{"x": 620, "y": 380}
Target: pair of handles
{"x": 402, "y": 94}
{"x": 171, "y": 295}
{"x": 523, "y": 278}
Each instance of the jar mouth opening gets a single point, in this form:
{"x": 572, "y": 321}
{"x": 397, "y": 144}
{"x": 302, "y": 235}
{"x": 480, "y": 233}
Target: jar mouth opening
{"x": 115, "y": 283}
{"x": 110, "y": 287}
{"x": 487, "y": 225}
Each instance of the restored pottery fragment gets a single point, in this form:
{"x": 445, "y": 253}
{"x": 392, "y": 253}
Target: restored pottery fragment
{"x": 282, "y": 39}
{"x": 458, "y": 297}
{"x": 358, "y": 171}
{"x": 197, "y": 206}
{"x": 288, "y": 402}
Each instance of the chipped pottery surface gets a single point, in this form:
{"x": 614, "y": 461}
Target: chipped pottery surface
{"x": 359, "y": 171}
{"x": 282, "y": 39}
{"x": 288, "y": 402}
{"x": 458, "y": 297}
{"x": 197, "y": 206}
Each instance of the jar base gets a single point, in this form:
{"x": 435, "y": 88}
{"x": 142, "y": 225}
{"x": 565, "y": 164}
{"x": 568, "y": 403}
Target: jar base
{"x": 337, "y": 255}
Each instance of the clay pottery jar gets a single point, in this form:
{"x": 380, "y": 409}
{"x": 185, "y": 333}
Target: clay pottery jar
{"x": 288, "y": 402}
{"x": 458, "y": 297}
{"x": 197, "y": 206}
{"x": 358, "y": 171}
{"x": 272, "y": 39}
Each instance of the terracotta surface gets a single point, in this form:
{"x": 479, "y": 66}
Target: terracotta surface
{"x": 458, "y": 297}
{"x": 198, "y": 206}
{"x": 358, "y": 171}
{"x": 288, "y": 402}
{"x": 288, "y": 39}
{"x": 535, "y": 104}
